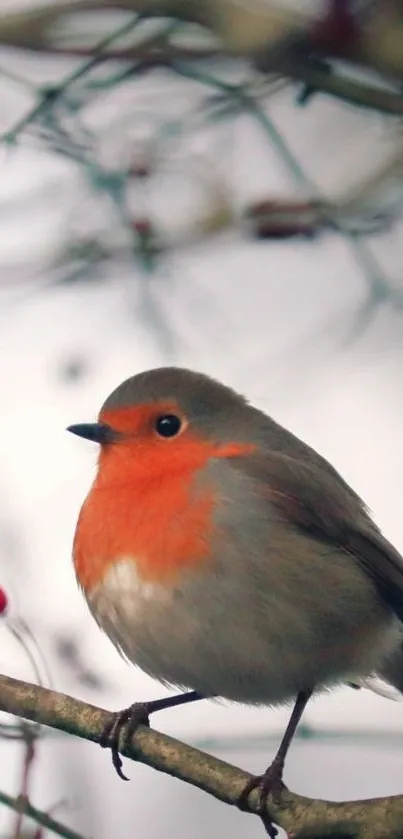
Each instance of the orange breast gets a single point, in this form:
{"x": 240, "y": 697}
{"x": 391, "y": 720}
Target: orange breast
{"x": 162, "y": 524}
{"x": 145, "y": 504}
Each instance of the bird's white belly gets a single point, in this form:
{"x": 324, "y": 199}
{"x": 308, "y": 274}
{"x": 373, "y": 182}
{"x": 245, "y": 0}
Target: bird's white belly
{"x": 146, "y": 623}
{"x": 191, "y": 637}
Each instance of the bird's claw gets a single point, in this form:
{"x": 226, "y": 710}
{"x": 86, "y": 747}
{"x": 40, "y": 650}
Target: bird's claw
{"x": 270, "y": 783}
{"x": 119, "y": 731}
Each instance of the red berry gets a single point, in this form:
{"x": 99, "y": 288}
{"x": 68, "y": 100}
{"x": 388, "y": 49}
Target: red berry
{"x": 143, "y": 227}
{"x": 3, "y": 601}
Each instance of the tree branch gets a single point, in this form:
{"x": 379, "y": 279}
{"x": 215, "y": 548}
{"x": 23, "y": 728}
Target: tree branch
{"x": 341, "y": 87}
{"x": 244, "y": 29}
{"x": 378, "y": 818}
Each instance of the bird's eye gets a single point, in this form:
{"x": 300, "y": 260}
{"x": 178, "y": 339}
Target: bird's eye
{"x": 168, "y": 425}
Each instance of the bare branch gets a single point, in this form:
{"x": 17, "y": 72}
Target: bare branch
{"x": 378, "y": 818}
{"x": 29, "y": 29}
{"x": 341, "y": 87}
{"x": 246, "y": 29}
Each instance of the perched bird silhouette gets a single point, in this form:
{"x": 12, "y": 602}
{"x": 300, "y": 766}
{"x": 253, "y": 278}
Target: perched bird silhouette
{"x": 223, "y": 555}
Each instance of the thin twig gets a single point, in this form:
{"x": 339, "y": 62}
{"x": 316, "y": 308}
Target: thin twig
{"x": 51, "y": 94}
{"x": 29, "y": 754}
{"x": 22, "y": 805}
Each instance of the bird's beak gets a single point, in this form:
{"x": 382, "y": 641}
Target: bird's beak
{"x": 99, "y": 432}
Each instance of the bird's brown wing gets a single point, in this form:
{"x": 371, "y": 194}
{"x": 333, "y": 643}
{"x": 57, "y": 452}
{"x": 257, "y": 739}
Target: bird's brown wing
{"x": 316, "y": 500}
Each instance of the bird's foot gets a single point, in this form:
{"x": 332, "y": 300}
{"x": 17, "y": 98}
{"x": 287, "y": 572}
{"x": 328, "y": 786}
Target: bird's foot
{"x": 270, "y": 783}
{"x": 119, "y": 731}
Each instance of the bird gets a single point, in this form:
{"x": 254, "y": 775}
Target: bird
{"x": 227, "y": 558}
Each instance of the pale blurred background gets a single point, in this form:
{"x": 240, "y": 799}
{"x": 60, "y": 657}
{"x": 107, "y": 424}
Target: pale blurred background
{"x": 308, "y": 327}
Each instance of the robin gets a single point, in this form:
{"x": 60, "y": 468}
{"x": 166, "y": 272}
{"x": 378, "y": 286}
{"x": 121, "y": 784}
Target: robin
{"x": 223, "y": 555}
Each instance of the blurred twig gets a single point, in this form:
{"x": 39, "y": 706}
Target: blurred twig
{"x": 279, "y": 45}
{"x": 22, "y": 805}
{"x": 377, "y": 818}
{"x": 29, "y": 756}
{"x": 282, "y": 41}
{"x": 49, "y": 95}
